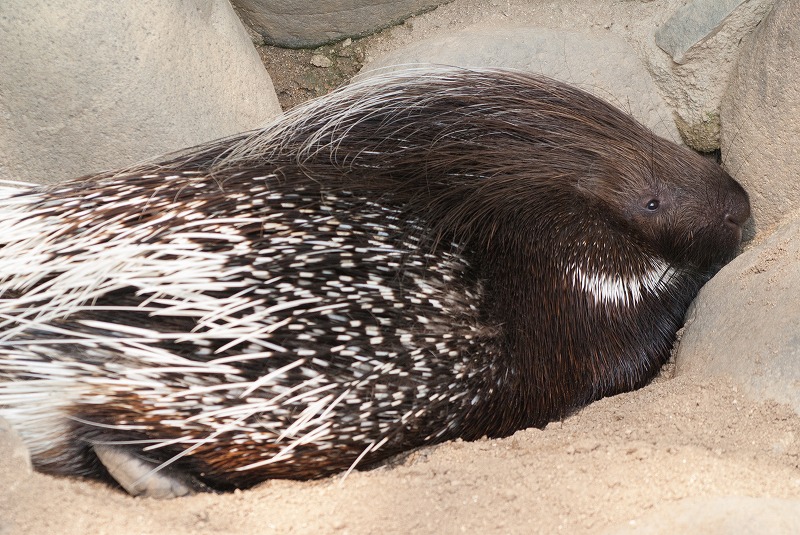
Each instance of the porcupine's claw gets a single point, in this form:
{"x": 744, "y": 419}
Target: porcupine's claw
{"x": 139, "y": 476}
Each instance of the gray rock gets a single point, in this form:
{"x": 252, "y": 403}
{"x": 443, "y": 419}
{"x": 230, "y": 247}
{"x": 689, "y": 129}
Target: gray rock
{"x": 725, "y": 515}
{"x": 601, "y": 64}
{"x": 311, "y": 23}
{"x": 692, "y": 24}
{"x": 761, "y": 132}
{"x": 745, "y": 323}
{"x": 88, "y": 86}
{"x": 704, "y": 38}
{"x": 319, "y": 60}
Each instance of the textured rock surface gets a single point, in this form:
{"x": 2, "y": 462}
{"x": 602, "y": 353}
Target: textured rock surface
{"x": 704, "y": 38}
{"x": 310, "y": 23}
{"x": 88, "y": 86}
{"x": 725, "y": 515}
{"x": 745, "y": 324}
{"x": 693, "y": 24}
{"x": 761, "y": 131}
{"x": 599, "y": 63}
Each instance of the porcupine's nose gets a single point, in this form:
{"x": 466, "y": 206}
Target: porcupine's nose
{"x": 738, "y": 212}
{"x": 738, "y": 215}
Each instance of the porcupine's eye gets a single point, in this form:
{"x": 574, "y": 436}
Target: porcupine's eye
{"x": 648, "y": 207}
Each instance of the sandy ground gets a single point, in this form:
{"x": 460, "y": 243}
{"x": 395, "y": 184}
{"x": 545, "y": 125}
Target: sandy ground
{"x": 609, "y": 465}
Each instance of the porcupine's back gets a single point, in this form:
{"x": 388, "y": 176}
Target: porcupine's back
{"x": 402, "y": 262}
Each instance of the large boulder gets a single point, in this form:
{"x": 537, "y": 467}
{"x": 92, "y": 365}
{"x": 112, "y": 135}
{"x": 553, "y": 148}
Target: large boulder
{"x": 702, "y": 39}
{"x": 745, "y": 323}
{"x": 694, "y": 24}
{"x": 311, "y": 23}
{"x": 88, "y": 86}
{"x": 760, "y": 130}
{"x": 602, "y": 64}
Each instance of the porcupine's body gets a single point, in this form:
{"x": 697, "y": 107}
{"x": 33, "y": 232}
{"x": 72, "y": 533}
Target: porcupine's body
{"x": 412, "y": 259}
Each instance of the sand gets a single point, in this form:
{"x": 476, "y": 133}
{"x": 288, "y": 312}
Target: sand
{"x": 609, "y": 465}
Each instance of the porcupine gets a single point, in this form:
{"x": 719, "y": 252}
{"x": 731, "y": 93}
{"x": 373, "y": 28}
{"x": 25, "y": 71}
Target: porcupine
{"x": 417, "y": 257}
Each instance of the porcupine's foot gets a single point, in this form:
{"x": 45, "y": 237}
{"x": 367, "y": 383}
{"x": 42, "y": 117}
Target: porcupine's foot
{"x": 140, "y": 477}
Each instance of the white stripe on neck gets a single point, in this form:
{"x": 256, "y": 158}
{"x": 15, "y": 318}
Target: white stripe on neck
{"x": 615, "y": 289}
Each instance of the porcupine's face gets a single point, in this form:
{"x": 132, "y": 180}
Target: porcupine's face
{"x": 684, "y": 206}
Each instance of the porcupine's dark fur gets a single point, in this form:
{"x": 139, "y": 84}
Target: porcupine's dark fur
{"x": 414, "y": 258}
